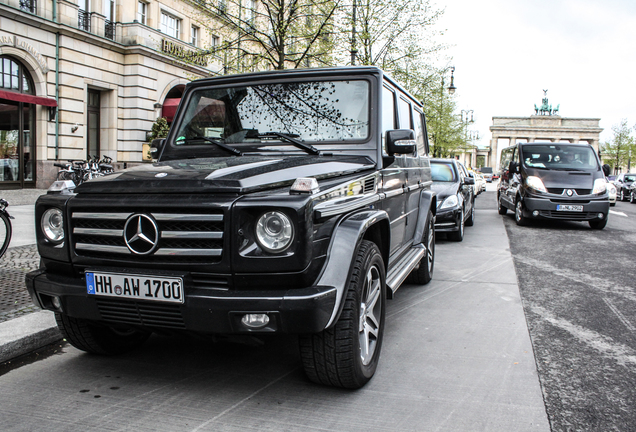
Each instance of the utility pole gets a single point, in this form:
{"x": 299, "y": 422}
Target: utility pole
{"x": 354, "y": 51}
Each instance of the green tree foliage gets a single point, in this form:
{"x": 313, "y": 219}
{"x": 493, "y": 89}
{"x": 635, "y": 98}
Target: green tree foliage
{"x": 274, "y": 34}
{"x": 618, "y": 151}
{"x": 160, "y": 129}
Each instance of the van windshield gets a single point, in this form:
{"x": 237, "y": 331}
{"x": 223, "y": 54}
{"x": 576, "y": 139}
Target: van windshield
{"x": 559, "y": 156}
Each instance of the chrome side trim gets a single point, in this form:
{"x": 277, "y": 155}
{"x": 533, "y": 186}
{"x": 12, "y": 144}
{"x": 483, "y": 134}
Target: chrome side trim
{"x": 331, "y": 208}
{"x": 103, "y": 248}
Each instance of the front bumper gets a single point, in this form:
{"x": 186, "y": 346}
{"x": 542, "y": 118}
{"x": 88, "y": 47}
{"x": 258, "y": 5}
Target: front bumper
{"x": 447, "y": 220}
{"x": 305, "y": 310}
{"x": 547, "y": 209}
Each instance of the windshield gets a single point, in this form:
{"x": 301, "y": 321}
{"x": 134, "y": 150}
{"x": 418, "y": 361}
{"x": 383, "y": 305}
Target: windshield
{"x": 559, "y": 156}
{"x": 630, "y": 178}
{"x": 315, "y": 112}
{"x": 443, "y": 172}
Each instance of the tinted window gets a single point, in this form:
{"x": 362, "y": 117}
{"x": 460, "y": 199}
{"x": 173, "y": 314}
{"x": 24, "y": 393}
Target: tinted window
{"x": 388, "y": 113}
{"x": 404, "y": 113}
{"x": 559, "y": 156}
{"x": 418, "y": 126}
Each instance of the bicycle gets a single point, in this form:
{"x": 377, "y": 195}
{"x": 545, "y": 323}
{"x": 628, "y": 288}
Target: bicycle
{"x": 5, "y": 227}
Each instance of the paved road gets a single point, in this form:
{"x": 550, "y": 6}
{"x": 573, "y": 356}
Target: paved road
{"x": 456, "y": 357}
{"x": 579, "y": 293}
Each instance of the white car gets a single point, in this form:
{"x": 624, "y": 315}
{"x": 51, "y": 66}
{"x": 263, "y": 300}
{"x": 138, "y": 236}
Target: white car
{"x": 611, "y": 189}
{"x": 480, "y": 183}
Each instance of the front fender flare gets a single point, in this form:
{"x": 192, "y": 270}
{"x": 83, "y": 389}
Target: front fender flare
{"x": 344, "y": 245}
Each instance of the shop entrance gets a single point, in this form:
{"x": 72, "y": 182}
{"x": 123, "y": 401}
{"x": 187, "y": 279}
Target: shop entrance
{"x": 17, "y": 123}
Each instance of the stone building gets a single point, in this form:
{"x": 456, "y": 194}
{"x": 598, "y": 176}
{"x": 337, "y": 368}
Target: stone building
{"x": 89, "y": 77}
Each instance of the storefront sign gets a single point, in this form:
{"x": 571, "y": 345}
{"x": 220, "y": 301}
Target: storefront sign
{"x": 13, "y": 41}
{"x": 178, "y": 51}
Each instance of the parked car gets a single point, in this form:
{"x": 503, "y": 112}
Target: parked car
{"x": 487, "y": 173}
{"x": 544, "y": 180}
{"x": 623, "y": 183}
{"x": 611, "y": 190}
{"x": 632, "y": 193}
{"x": 455, "y": 197}
{"x": 291, "y": 201}
{"x": 480, "y": 182}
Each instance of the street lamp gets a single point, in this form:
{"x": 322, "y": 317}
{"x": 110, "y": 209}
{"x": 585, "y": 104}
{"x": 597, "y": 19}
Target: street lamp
{"x": 451, "y": 87}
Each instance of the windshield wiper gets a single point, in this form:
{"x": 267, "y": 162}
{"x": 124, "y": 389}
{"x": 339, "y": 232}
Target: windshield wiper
{"x": 218, "y": 143}
{"x": 291, "y": 138}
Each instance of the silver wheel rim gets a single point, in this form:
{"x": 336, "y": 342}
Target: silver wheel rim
{"x": 370, "y": 313}
{"x": 518, "y": 212}
{"x": 461, "y": 225}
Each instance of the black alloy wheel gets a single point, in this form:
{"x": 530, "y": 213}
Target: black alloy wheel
{"x": 501, "y": 209}
{"x": 424, "y": 272}
{"x": 519, "y": 217}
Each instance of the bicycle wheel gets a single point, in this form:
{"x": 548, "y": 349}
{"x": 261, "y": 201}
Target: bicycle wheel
{"x": 5, "y": 233}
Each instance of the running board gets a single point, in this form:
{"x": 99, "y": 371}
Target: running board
{"x": 403, "y": 268}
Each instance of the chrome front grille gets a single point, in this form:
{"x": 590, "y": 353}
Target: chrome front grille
{"x": 190, "y": 236}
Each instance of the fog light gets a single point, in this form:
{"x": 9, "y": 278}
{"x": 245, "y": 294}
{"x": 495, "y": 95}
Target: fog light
{"x": 255, "y": 321}
{"x": 535, "y": 213}
{"x": 56, "y": 302}
{"x": 600, "y": 215}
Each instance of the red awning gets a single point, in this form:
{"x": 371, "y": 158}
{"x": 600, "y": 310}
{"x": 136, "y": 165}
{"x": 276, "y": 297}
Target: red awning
{"x": 169, "y": 108}
{"x": 27, "y": 98}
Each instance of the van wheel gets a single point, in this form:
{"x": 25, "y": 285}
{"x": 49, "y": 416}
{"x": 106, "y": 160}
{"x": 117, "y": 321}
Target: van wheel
{"x": 346, "y": 354}
{"x": 632, "y": 198}
{"x": 519, "y": 217}
{"x": 598, "y": 224}
{"x": 622, "y": 195}
{"x": 96, "y": 339}
{"x": 424, "y": 272}
{"x": 500, "y": 208}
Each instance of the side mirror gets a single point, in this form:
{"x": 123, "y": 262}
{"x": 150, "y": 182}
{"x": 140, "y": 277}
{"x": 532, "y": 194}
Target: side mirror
{"x": 155, "y": 147}
{"x": 400, "y": 141}
{"x": 469, "y": 180}
{"x": 606, "y": 169}
{"x": 513, "y": 167}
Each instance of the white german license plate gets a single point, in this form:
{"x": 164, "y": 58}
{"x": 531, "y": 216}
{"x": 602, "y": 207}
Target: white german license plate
{"x": 573, "y": 208}
{"x": 139, "y": 287}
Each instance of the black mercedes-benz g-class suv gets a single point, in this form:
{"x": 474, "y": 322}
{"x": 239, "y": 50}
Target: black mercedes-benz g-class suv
{"x": 291, "y": 201}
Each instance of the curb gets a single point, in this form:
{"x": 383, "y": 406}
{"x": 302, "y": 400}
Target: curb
{"x": 26, "y": 334}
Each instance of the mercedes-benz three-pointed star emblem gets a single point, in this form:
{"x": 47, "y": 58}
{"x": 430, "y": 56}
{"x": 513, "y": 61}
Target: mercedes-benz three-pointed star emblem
{"x": 141, "y": 234}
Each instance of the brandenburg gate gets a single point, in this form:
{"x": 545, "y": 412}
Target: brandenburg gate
{"x": 545, "y": 125}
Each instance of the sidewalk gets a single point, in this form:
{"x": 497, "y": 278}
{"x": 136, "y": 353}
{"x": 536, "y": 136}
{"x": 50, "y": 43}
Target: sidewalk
{"x": 23, "y": 326}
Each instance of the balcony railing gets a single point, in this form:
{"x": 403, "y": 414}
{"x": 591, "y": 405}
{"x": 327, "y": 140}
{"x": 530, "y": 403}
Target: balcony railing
{"x": 83, "y": 20}
{"x": 29, "y": 6}
{"x": 109, "y": 30}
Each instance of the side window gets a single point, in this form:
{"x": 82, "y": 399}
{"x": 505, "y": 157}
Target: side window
{"x": 404, "y": 113}
{"x": 418, "y": 127}
{"x": 388, "y": 113}
{"x": 506, "y": 158}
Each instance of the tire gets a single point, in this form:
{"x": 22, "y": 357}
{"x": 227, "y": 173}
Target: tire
{"x": 519, "y": 217}
{"x": 96, "y": 339}
{"x": 424, "y": 272}
{"x": 598, "y": 224}
{"x": 500, "y": 208}
{"x": 471, "y": 219}
{"x": 346, "y": 354}
{"x": 632, "y": 198}
{"x": 622, "y": 196}
{"x": 5, "y": 233}
{"x": 459, "y": 234}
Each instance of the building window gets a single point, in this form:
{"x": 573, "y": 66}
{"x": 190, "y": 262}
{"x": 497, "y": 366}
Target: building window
{"x": 28, "y": 5}
{"x": 194, "y": 36}
{"x": 170, "y": 25}
{"x": 222, "y": 6}
{"x": 250, "y": 7}
{"x": 142, "y": 11}
{"x": 215, "y": 41}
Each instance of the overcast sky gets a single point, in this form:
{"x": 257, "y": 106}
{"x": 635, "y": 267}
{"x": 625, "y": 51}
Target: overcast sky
{"x": 506, "y": 52}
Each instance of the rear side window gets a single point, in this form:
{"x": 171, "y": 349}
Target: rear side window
{"x": 388, "y": 113}
{"x": 404, "y": 113}
{"x": 420, "y": 137}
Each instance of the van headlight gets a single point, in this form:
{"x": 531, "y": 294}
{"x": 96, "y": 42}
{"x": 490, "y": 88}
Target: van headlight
{"x": 535, "y": 183}
{"x": 274, "y": 231}
{"x": 600, "y": 186}
{"x": 52, "y": 225}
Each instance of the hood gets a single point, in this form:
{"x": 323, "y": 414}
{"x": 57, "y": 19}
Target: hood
{"x": 226, "y": 174}
{"x": 444, "y": 189}
{"x": 565, "y": 179}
